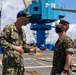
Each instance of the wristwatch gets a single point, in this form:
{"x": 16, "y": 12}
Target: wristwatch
{"x": 65, "y": 71}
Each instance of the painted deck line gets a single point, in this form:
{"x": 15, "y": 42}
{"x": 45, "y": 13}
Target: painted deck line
{"x": 74, "y": 65}
{"x": 29, "y": 67}
{"x": 41, "y": 63}
{"x": 74, "y": 73}
{"x": 0, "y": 62}
{"x": 49, "y": 66}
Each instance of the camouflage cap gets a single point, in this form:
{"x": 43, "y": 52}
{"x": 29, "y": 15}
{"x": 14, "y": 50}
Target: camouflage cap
{"x": 63, "y": 23}
{"x": 23, "y": 14}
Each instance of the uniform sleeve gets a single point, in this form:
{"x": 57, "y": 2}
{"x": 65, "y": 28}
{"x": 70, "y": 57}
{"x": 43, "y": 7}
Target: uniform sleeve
{"x": 25, "y": 46}
{"x": 4, "y": 35}
{"x": 68, "y": 45}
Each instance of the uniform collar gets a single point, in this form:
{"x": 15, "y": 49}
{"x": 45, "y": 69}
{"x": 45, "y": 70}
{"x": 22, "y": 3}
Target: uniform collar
{"x": 15, "y": 28}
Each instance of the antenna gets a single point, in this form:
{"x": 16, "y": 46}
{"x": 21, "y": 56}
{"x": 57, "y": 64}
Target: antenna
{"x": 0, "y": 17}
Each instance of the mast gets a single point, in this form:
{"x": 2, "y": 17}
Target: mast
{"x": 27, "y": 2}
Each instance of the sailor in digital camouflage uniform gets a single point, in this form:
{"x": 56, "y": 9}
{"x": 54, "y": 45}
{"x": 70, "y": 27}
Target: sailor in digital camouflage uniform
{"x": 63, "y": 52}
{"x": 13, "y": 41}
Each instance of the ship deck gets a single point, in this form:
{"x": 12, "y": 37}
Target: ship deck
{"x": 39, "y": 64}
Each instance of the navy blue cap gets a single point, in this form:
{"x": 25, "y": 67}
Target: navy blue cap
{"x": 22, "y": 14}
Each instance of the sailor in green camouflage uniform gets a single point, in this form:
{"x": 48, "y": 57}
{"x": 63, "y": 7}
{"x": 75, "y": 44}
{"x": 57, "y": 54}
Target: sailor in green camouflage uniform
{"x": 63, "y": 52}
{"x": 13, "y": 41}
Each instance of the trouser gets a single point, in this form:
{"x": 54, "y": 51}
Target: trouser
{"x": 7, "y": 70}
{"x": 69, "y": 72}
{"x": 53, "y": 72}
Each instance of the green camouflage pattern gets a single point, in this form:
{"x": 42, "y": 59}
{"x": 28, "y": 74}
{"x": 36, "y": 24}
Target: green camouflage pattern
{"x": 8, "y": 70}
{"x": 9, "y": 38}
{"x": 63, "y": 46}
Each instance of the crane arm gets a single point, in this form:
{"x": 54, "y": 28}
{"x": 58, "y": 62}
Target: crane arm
{"x": 67, "y": 10}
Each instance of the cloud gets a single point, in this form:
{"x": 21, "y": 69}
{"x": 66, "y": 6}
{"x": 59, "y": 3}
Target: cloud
{"x": 53, "y": 36}
{"x": 9, "y": 11}
{"x": 29, "y": 34}
{"x": 72, "y": 31}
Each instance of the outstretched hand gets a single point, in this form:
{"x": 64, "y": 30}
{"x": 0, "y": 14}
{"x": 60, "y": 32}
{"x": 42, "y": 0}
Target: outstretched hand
{"x": 32, "y": 48}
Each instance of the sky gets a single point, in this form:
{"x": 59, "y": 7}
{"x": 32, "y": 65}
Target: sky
{"x": 11, "y": 7}
{"x": 69, "y": 4}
